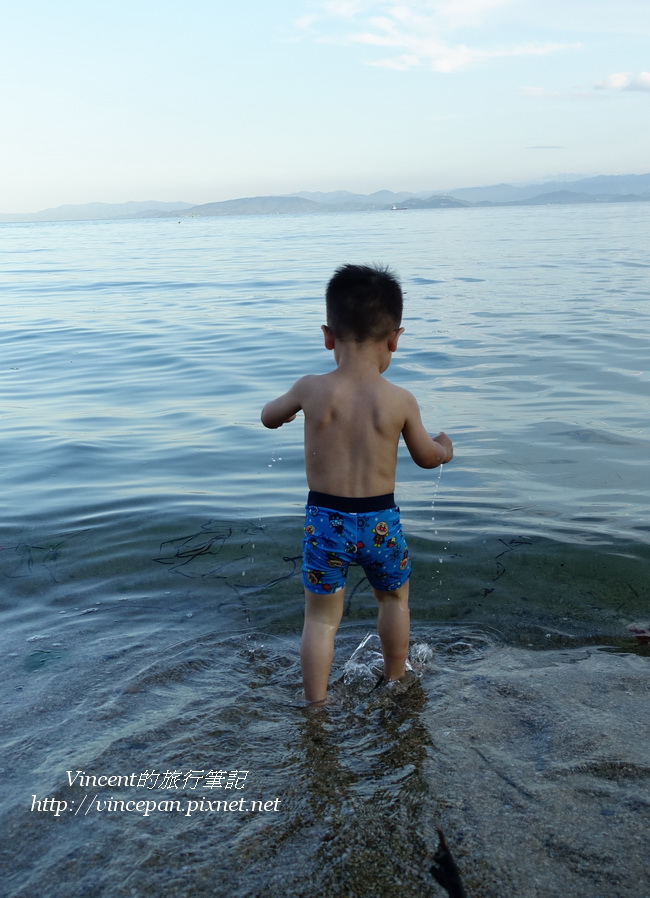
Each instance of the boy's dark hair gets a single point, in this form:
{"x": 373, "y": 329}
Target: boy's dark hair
{"x": 363, "y": 303}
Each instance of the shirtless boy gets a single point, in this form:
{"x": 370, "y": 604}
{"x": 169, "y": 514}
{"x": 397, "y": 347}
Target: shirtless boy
{"x": 353, "y": 421}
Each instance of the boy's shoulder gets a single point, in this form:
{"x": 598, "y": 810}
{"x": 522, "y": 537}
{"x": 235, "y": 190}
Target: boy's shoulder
{"x": 399, "y": 394}
{"x": 308, "y": 387}
{"x": 317, "y": 387}
{"x": 310, "y": 382}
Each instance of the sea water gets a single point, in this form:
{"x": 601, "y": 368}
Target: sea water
{"x": 150, "y": 534}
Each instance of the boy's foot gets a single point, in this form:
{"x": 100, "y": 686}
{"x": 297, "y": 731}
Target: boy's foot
{"x": 400, "y": 684}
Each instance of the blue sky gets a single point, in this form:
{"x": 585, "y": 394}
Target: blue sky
{"x": 207, "y": 100}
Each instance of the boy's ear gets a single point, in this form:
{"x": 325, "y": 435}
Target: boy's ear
{"x": 329, "y": 337}
{"x": 394, "y": 337}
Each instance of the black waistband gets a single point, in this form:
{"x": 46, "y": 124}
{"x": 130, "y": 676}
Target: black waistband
{"x": 352, "y": 504}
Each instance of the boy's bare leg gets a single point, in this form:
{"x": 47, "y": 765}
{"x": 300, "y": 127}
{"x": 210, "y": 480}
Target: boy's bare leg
{"x": 323, "y": 615}
{"x": 393, "y": 624}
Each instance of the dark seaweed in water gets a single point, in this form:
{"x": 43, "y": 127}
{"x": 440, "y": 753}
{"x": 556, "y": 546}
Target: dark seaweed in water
{"x": 445, "y": 870}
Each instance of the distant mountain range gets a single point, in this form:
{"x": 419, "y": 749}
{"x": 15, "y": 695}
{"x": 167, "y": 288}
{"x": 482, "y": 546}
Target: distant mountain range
{"x": 601, "y": 189}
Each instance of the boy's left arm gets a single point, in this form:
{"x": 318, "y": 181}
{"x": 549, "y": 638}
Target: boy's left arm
{"x": 426, "y": 451}
{"x": 283, "y": 409}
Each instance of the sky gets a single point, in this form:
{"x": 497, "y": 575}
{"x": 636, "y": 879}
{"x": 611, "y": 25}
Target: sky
{"x": 207, "y": 100}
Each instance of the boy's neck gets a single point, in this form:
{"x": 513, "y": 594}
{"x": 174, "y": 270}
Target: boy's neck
{"x": 368, "y": 357}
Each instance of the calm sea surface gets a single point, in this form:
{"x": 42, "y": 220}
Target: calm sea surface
{"x": 150, "y": 527}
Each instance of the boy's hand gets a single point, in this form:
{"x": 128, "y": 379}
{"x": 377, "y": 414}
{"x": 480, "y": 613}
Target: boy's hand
{"x": 443, "y": 440}
{"x": 276, "y": 424}
{"x": 283, "y": 409}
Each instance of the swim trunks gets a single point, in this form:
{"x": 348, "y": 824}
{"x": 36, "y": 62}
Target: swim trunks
{"x": 340, "y": 531}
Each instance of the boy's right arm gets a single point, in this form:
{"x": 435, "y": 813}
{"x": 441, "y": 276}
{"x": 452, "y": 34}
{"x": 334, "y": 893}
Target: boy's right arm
{"x": 426, "y": 451}
{"x": 283, "y": 409}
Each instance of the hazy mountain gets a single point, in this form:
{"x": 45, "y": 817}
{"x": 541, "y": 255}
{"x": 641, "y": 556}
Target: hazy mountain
{"x": 561, "y": 176}
{"x": 255, "y": 205}
{"x": 603, "y": 185}
{"x": 97, "y": 211}
{"x": 337, "y": 201}
{"x": 437, "y": 201}
{"x": 344, "y": 197}
{"x": 559, "y": 197}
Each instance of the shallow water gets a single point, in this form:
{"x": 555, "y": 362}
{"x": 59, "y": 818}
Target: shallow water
{"x": 150, "y": 541}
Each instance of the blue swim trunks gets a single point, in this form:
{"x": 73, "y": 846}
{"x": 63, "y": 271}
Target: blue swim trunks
{"x": 341, "y": 531}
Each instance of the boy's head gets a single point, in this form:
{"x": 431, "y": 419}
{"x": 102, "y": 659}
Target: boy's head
{"x": 363, "y": 303}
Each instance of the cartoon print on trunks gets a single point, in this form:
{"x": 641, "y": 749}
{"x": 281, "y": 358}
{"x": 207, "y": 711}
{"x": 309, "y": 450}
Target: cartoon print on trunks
{"x": 381, "y": 532}
{"x": 333, "y": 540}
{"x": 315, "y": 579}
{"x": 334, "y": 560}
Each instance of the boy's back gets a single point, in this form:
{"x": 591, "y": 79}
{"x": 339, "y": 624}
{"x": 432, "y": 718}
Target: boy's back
{"x": 353, "y": 421}
{"x": 352, "y": 428}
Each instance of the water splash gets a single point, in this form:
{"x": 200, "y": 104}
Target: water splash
{"x": 433, "y": 518}
{"x": 441, "y": 646}
{"x": 366, "y": 664}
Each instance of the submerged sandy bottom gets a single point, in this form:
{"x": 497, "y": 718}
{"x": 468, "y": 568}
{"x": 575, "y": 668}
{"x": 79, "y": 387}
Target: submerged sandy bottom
{"x": 543, "y": 773}
{"x": 535, "y": 764}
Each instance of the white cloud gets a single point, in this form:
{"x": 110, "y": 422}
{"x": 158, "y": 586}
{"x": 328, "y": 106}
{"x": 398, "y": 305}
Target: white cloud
{"x": 640, "y": 82}
{"x": 421, "y": 32}
{"x": 625, "y": 81}
{"x": 614, "y": 81}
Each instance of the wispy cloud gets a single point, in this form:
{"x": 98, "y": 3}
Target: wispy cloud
{"x": 617, "y": 81}
{"x": 346, "y": 9}
{"x": 423, "y": 33}
{"x": 540, "y": 93}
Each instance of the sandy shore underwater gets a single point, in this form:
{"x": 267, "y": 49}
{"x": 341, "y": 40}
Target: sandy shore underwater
{"x": 544, "y": 773}
{"x": 535, "y": 764}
